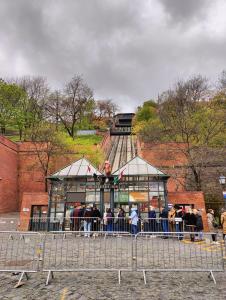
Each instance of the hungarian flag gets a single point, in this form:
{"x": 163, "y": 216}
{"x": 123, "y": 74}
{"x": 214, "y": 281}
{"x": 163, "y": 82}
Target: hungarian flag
{"x": 119, "y": 177}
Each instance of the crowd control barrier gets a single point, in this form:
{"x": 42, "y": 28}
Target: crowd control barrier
{"x": 77, "y": 251}
{"x": 168, "y": 252}
{"x": 20, "y": 252}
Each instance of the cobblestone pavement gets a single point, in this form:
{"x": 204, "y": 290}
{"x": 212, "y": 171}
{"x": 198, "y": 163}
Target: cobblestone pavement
{"x": 151, "y": 252}
{"x": 103, "y": 285}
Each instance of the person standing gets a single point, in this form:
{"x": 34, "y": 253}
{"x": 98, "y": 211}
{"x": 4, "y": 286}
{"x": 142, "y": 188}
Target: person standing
{"x": 164, "y": 221}
{"x": 96, "y": 218}
{"x": 76, "y": 219}
{"x": 87, "y": 221}
{"x": 179, "y": 215}
{"x": 121, "y": 219}
{"x": 134, "y": 220}
{"x": 223, "y": 223}
{"x": 199, "y": 224}
{"x": 212, "y": 225}
{"x": 152, "y": 219}
{"x": 110, "y": 220}
{"x": 171, "y": 216}
{"x": 191, "y": 223}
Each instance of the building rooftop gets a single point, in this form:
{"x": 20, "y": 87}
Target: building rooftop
{"x": 79, "y": 168}
{"x": 139, "y": 167}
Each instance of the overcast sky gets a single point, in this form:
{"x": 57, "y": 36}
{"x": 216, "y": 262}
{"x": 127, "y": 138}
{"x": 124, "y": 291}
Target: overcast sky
{"x": 126, "y": 50}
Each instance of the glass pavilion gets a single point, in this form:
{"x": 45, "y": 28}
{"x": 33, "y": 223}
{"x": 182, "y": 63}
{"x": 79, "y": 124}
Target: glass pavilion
{"x": 141, "y": 185}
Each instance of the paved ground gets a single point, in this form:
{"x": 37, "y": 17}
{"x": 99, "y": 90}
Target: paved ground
{"x": 155, "y": 252}
{"x": 102, "y": 286}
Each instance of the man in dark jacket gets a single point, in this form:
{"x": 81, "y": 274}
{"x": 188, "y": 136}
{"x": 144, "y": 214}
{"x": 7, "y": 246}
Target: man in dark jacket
{"x": 191, "y": 223}
{"x": 96, "y": 219}
{"x": 199, "y": 224}
{"x": 164, "y": 216}
{"x": 152, "y": 219}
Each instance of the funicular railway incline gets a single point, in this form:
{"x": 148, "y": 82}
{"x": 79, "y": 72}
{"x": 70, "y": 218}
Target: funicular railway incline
{"x": 123, "y": 144}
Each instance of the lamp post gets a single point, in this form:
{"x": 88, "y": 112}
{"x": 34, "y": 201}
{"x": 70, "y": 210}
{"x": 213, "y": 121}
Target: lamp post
{"x": 222, "y": 181}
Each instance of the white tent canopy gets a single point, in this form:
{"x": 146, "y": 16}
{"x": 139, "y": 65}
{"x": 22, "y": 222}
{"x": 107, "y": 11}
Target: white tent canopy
{"x": 79, "y": 168}
{"x": 139, "y": 167}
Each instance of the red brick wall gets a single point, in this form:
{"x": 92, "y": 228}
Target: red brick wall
{"x": 196, "y": 198}
{"x": 8, "y": 176}
{"x": 168, "y": 158}
{"x": 28, "y": 200}
{"x": 31, "y": 177}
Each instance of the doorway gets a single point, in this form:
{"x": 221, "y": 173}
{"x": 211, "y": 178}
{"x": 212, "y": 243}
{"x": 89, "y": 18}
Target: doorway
{"x": 39, "y": 218}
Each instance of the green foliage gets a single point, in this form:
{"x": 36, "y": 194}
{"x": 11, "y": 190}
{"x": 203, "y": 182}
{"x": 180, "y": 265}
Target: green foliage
{"x": 88, "y": 140}
{"x": 147, "y": 111}
{"x": 11, "y": 99}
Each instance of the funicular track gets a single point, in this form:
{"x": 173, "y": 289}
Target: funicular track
{"x": 122, "y": 149}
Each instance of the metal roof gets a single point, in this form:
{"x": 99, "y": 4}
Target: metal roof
{"x": 79, "y": 168}
{"x": 139, "y": 167}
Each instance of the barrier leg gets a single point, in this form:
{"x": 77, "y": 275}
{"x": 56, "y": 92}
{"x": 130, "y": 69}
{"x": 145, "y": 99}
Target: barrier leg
{"x": 119, "y": 277}
{"x": 144, "y": 275}
{"x": 212, "y": 276}
{"x": 48, "y": 276}
{"x": 21, "y": 277}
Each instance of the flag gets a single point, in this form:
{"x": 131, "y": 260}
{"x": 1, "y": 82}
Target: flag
{"x": 88, "y": 169}
{"x": 121, "y": 174}
{"x": 119, "y": 177}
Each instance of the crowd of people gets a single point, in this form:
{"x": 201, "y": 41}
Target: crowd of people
{"x": 171, "y": 219}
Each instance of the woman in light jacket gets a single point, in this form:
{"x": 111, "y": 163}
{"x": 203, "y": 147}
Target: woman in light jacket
{"x": 212, "y": 225}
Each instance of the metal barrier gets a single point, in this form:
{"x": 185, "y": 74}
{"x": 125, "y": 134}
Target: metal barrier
{"x": 20, "y": 252}
{"x": 78, "y": 251}
{"x": 166, "y": 252}
{"x": 104, "y": 224}
{"x": 26, "y": 252}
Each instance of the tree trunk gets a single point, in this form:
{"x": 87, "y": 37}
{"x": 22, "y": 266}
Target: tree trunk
{"x": 197, "y": 179}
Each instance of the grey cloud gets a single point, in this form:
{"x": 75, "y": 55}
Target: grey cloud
{"x": 126, "y": 50}
{"x": 185, "y": 11}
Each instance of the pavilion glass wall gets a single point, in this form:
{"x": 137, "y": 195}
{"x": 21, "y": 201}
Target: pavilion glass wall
{"x": 70, "y": 192}
{"x": 140, "y": 191}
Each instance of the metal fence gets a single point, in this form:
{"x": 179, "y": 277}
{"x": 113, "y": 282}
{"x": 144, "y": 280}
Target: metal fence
{"x": 75, "y": 251}
{"x": 26, "y": 252}
{"x": 104, "y": 224}
{"x": 166, "y": 252}
{"x": 20, "y": 252}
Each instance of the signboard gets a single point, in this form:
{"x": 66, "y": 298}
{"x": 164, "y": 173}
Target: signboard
{"x": 138, "y": 197}
{"x": 224, "y": 194}
{"x": 26, "y": 209}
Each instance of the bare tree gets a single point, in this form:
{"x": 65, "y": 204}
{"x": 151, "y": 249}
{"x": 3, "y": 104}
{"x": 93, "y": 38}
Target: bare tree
{"x": 222, "y": 80}
{"x": 47, "y": 144}
{"x": 52, "y": 107}
{"x": 187, "y": 118}
{"x": 73, "y": 103}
